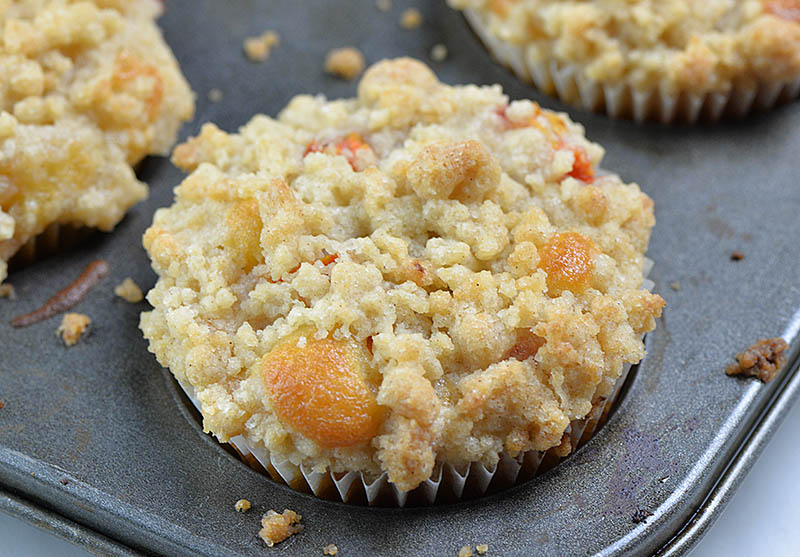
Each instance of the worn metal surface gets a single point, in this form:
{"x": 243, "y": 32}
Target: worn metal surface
{"x": 105, "y": 418}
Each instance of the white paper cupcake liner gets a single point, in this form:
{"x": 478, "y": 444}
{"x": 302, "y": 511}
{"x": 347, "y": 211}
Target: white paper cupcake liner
{"x": 54, "y": 238}
{"x": 659, "y": 104}
{"x": 447, "y": 483}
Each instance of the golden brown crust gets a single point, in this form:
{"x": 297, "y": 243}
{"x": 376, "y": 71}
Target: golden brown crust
{"x": 408, "y": 222}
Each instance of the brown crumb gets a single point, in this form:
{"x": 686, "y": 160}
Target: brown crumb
{"x": 72, "y": 327}
{"x": 330, "y": 549}
{"x": 258, "y": 48}
{"x": 7, "y": 291}
{"x": 465, "y": 551}
{"x": 129, "y": 291}
{"x": 482, "y": 548}
{"x": 411, "y": 18}
{"x": 763, "y": 360}
{"x": 277, "y": 527}
{"x": 675, "y": 285}
{"x": 347, "y": 62}
{"x": 737, "y": 255}
{"x": 383, "y": 5}
{"x": 439, "y": 53}
{"x": 242, "y": 505}
{"x": 215, "y": 95}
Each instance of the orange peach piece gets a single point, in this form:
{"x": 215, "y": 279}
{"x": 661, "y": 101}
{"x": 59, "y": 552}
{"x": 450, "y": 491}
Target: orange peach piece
{"x": 567, "y": 260}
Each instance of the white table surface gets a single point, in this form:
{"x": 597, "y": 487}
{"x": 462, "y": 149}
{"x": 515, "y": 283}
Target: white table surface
{"x": 761, "y": 519}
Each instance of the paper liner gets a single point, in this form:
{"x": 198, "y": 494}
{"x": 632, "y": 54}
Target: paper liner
{"x": 659, "y": 104}
{"x": 447, "y": 483}
{"x": 54, "y": 238}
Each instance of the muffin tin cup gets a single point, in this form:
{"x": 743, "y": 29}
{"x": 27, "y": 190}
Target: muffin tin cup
{"x": 448, "y": 483}
{"x": 660, "y": 104}
{"x": 53, "y": 239}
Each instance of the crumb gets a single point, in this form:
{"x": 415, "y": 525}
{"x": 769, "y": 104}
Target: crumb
{"x": 763, "y": 360}
{"x": 258, "y": 48}
{"x": 215, "y": 95}
{"x": 482, "y": 548}
{"x": 129, "y": 291}
{"x": 675, "y": 285}
{"x": 63, "y": 481}
{"x": 72, "y": 327}
{"x": 439, "y": 52}
{"x": 347, "y": 62}
{"x": 277, "y": 527}
{"x": 2, "y": 403}
{"x": 7, "y": 291}
{"x": 565, "y": 448}
{"x": 383, "y": 5}
{"x": 330, "y": 549}
{"x": 737, "y": 255}
{"x": 640, "y": 516}
{"x": 465, "y": 551}
{"x": 242, "y": 505}
{"x": 411, "y": 18}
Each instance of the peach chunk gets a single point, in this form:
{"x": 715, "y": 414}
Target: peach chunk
{"x": 526, "y": 346}
{"x": 320, "y": 390}
{"x": 567, "y": 260}
{"x": 786, "y": 9}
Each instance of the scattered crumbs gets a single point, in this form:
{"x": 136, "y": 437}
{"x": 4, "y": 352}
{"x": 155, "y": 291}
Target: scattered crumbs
{"x": 737, "y": 255}
{"x": 72, "y": 327}
{"x": 482, "y": 548}
{"x": 215, "y": 95}
{"x": 2, "y": 403}
{"x": 7, "y": 291}
{"x": 277, "y": 527}
{"x": 242, "y": 505}
{"x": 465, "y": 551}
{"x": 675, "y": 285}
{"x": 129, "y": 291}
{"x": 383, "y": 5}
{"x": 411, "y": 18}
{"x": 347, "y": 62}
{"x": 641, "y": 516}
{"x": 258, "y": 48}
{"x": 63, "y": 481}
{"x": 439, "y": 53}
{"x": 763, "y": 360}
{"x": 330, "y": 549}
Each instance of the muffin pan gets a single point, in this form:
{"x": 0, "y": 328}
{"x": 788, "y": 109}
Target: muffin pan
{"x": 98, "y": 444}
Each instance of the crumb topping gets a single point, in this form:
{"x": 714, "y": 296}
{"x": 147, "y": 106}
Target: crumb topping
{"x": 682, "y": 45}
{"x": 347, "y": 62}
{"x": 388, "y": 261}
{"x": 763, "y": 360}
{"x": 465, "y": 551}
{"x": 482, "y": 548}
{"x": 275, "y": 527}
{"x": 86, "y": 90}
{"x": 330, "y": 549}
{"x": 242, "y": 505}
{"x": 258, "y": 48}
{"x": 72, "y": 327}
{"x": 129, "y": 291}
{"x": 411, "y": 18}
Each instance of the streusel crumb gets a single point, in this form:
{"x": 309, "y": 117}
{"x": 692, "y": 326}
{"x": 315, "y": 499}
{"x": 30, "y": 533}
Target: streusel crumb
{"x": 383, "y": 5}
{"x": 764, "y": 360}
{"x": 347, "y": 62}
{"x": 411, "y": 18}
{"x": 465, "y": 551}
{"x": 330, "y": 549}
{"x": 242, "y": 505}
{"x": 129, "y": 291}
{"x": 439, "y": 53}
{"x": 7, "y": 291}
{"x": 73, "y": 325}
{"x": 277, "y": 527}
{"x": 482, "y": 548}
{"x": 215, "y": 95}
{"x": 258, "y": 48}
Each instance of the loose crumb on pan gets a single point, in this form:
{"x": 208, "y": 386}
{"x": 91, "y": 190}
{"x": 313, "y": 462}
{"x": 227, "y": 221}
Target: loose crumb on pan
{"x": 439, "y": 52}
{"x": 215, "y": 95}
{"x": 7, "y": 291}
{"x": 330, "y": 549}
{"x": 258, "y": 48}
{"x": 383, "y": 5}
{"x": 346, "y": 62}
{"x": 675, "y": 285}
{"x": 277, "y": 527}
{"x": 2, "y": 404}
{"x": 72, "y": 327}
{"x": 763, "y": 360}
{"x": 465, "y": 551}
{"x": 242, "y": 505}
{"x": 482, "y": 548}
{"x": 737, "y": 255}
{"x": 129, "y": 291}
{"x": 411, "y": 18}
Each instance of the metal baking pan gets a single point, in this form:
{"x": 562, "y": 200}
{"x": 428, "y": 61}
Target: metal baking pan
{"x": 97, "y": 442}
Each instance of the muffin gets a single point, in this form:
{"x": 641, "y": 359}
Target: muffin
{"x": 87, "y": 89}
{"x": 674, "y": 60}
{"x": 410, "y": 291}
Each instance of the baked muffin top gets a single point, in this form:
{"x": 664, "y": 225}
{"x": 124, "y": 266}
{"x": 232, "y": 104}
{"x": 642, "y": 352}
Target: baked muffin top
{"x": 680, "y": 45}
{"x": 86, "y": 90}
{"x": 423, "y": 273}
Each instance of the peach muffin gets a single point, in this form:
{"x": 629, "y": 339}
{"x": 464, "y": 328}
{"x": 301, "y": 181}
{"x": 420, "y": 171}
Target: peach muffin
{"x": 650, "y": 59}
{"x": 87, "y": 89}
{"x": 424, "y": 274}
